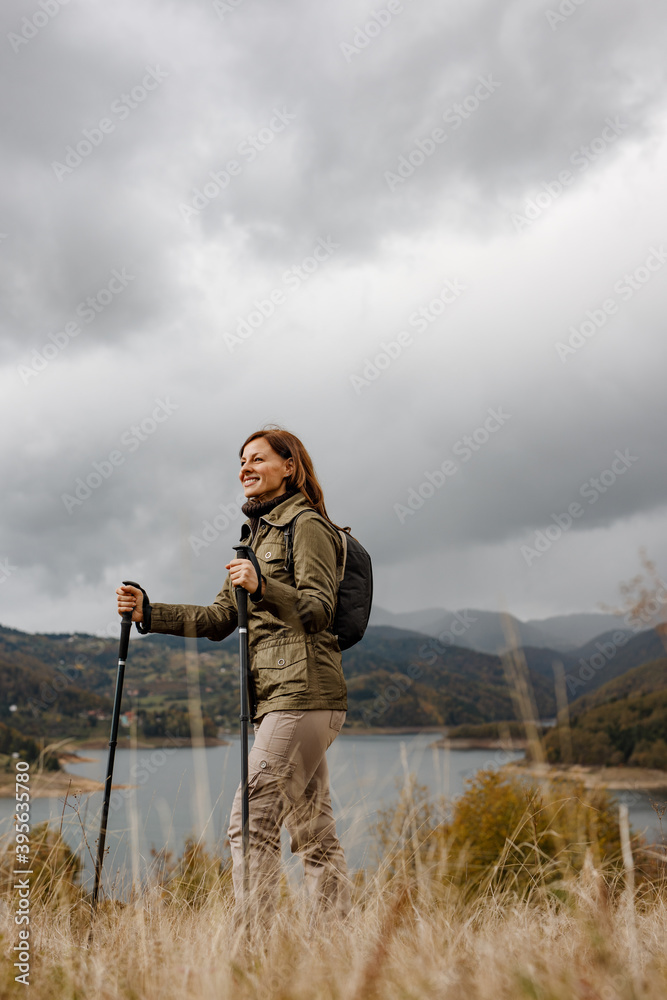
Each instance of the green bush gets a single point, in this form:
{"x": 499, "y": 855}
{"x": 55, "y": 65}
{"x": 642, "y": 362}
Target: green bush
{"x": 56, "y": 870}
{"x": 503, "y": 831}
{"x": 12, "y": 741}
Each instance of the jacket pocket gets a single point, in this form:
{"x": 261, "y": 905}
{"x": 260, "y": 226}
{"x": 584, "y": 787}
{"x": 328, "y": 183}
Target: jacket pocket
{"x": 281, "y": 668}
{"x": 327, "y": 659}
{"x": 272, "y": 552}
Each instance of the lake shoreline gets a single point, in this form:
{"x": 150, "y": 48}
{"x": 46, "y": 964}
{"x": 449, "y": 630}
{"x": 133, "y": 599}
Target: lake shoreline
{"x": 616, "y": 779}
{"x": 479, "y": 743}
{"x": 50, "y": 785}
{"x": 145, "y": 743}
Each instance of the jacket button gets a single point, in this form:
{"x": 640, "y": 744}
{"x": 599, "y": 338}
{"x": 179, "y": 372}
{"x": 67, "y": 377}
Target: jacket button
{"x": 262, "y": 763}
{"x": 267, "y": 555}
{"x": 281, "y": 663}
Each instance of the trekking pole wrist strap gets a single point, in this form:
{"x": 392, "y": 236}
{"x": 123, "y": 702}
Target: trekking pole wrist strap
{"x": 245, "y": 552}
{"x": 145, "y": 626}
{"x": 257, "y": 596}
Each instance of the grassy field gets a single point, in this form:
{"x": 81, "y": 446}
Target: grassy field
{"x": 398, "y": 944}
{"x": 522, "y": 892}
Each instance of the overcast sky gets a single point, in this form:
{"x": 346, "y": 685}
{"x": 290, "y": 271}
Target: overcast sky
{"x": 428, "y": 238}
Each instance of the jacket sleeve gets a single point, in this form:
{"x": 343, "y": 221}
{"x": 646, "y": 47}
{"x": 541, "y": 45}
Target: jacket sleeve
{"x": 310, "y": 604}
{"x": 214, "y": 621}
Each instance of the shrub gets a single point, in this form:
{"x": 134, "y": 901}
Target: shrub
{"x": 56, "y": 870}
{"x": 195, "y": 875}
{"x": 503, "y": 831}
{"x": 647, "y": 754}
{"x": 408, "y": 834}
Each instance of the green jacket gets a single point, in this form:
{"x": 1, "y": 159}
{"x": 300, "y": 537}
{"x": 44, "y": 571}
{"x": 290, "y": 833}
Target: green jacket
{"x": 294, "y": 659}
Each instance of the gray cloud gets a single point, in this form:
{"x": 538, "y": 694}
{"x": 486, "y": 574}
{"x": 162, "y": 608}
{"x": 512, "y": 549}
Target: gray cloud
{"x": 175, "y": 263}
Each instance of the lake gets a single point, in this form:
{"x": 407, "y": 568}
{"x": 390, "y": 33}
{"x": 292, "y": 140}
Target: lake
{"x": 182, "y": 792}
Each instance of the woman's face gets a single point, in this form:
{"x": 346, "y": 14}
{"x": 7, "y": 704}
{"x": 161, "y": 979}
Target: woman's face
{"x": 263, "y": 471}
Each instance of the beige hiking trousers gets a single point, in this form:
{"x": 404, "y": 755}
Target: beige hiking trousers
{"x": 288, "y": 782}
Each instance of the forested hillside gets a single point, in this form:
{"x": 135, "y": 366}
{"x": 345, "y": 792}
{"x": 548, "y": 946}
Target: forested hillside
{"x": 623, "y": 722}
{"x": 62, "y": 685}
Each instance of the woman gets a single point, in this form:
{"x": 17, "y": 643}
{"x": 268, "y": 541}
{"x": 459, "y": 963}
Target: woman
{"x": 299, "y": 689}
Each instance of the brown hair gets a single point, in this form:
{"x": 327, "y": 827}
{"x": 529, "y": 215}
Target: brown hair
{"x": 303, "y": 477}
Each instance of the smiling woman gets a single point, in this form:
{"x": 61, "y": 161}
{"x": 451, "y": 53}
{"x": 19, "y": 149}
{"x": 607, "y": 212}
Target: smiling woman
{"x": 299, "y": 693}
{"x": 264, "y": 471}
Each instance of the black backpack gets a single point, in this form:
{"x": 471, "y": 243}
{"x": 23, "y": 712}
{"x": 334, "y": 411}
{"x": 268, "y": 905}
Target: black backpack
{"x": 355, "y": 590}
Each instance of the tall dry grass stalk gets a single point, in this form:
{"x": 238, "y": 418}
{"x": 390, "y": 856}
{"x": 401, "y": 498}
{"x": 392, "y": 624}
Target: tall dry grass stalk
{"x": 518, "y": 682}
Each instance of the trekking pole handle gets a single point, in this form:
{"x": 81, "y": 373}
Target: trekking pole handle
{"x": 125, "y": 629}
{"x": 245, "y": 552}
{"x": 143, "y": 627}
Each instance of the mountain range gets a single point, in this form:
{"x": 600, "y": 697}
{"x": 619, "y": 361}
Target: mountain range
{"x": 494, "y": 631}
{"x": 59, "y": 685}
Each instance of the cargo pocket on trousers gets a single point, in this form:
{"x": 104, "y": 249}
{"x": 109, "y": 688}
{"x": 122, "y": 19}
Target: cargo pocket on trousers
{"x": 282, "y": 669}
{"x": 336, "y": 720}
{"x": 269, "y": 774}
{"x": 265, "y": 762}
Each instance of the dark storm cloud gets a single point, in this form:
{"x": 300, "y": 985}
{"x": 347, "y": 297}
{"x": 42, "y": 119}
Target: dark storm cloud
{"x": 122, "y": 272}
{"x": 217, "y": 81}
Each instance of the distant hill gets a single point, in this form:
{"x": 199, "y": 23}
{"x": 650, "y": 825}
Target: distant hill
{"x": 485, "y": 631}
{"x": 40, "y": 689}
{"x": 427, "y": 621}
{"x": 573, "y": 631}
{"x": 603, "y": 659}
{"x": 63, "y": 684}
{"x": 396, "y": 678}
{"x": 648, "y": 678}
{"x": 623, "y": 722}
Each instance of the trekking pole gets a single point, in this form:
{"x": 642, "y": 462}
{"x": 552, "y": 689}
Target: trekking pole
{"x": 242, "y": 605}
{"x": 125, "y": 629}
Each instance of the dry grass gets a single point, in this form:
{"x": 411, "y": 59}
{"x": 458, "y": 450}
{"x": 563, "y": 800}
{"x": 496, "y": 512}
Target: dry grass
{"x": 416, "y": 931}
{"x": 393, "y": 946}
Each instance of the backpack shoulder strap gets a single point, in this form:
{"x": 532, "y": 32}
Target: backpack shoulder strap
{"x": 288, "y": 535}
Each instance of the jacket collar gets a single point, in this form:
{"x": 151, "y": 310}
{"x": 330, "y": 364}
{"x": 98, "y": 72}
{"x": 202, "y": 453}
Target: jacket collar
{"x": 282, "y": 514}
